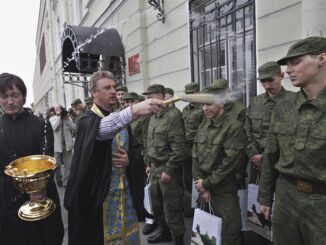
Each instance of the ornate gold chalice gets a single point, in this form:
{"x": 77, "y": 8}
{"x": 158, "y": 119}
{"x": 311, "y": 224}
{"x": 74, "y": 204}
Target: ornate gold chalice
{"x": 33, "y": 174}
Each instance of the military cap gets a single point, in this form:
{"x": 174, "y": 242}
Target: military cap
{"x": 121, "y": 88}
{"x": 309, "y": 45}
{"x": 88, "y": 100}
{"x": 268, "y": 70}
{"x": 131, "y": 96}
{"x": 217, "y": 86}
{"x": 169, "y": 91}
{"x": 191, "y": 88}
{"x": 141, "y": 98}
{"x": 76, "y": 102}
{"x": 155, "y": 89}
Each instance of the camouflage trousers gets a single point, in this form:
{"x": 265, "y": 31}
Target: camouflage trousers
{"x": 167, "y": 202}
{"x": 298, "y": 219}
{"x": 226, "y": 206}
{"x": 187, "y": 169}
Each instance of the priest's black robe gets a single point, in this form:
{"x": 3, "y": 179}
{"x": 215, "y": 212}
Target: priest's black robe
{"x": 21, "y": 137}
{"x": 90, "y": 179}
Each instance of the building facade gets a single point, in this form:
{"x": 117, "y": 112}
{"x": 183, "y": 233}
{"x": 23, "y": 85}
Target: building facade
{"x": 198, "y": 41}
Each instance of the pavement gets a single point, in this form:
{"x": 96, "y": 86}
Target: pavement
{"x": 188, "y": 223}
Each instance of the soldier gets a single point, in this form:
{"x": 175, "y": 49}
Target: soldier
{"x": 259, "y": 114}
{"x": 219, "y": 147}
{"x": 165, "y": 150}
{"x": 236, "y": 108}
{"x": 192, "y": 116}
{"x": 121, "y": 92}
{"x": 294, "y": 157}
{"x": 141, "y": 98}
{"x": 89, "y": 102}
{"x": 139, "y": 128}
{"x": 131, "y": 99}
{"x": 237, "y": 111}
{"x": 169, "y": 93}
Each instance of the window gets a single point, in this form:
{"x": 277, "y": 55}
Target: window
{"x": 42, "y": 56}
{"x": 222, "y": 37}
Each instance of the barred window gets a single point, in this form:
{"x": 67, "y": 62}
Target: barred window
{"x": 223, "y": 43}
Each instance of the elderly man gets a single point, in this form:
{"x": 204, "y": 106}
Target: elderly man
{"x": 89, "y": 187}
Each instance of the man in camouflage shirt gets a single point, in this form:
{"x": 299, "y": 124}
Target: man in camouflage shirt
{"x": 294, "y": 162}
{"x": 219, "y": 148}
{"x": 165, "y": 150}
{"x": 192, "y": 116}
{"x": 259, "y": 114}
{"x": 237, "y": 111}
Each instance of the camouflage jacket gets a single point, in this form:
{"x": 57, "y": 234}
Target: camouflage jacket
{"x": 219, "y": 147}
{"x": 139, "y": 129}
{"x": 165, "y": 140}
{"x": 192, "y": 116}
{"x": 296, "y": 143}
{"x": 258, "y": 119}
{"x": 237, "y": 111}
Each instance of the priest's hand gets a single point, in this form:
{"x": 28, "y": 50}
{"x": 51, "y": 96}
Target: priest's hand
{"x": 120, "y": 159}
{"x": 165, "y": 178}
{"x": 38, "y": 196}
{"x": 147, "y": 107}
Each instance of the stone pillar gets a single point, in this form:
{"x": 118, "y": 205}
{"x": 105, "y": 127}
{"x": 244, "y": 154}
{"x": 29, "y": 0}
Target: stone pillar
{"x": 313, "y": 18}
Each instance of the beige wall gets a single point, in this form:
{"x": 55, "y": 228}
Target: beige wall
{"x": 163, "y": 48}
{"x": 278, "y": 26}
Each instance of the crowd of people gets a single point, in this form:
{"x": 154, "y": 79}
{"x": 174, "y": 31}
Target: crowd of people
{"x": 109, "y": 146}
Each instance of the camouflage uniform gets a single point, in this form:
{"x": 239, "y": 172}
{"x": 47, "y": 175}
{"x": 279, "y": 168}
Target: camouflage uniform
{"x": 218, "y": 149}
{"x": 165, "y": 150}
{"x": 294, "y": 162}
{"x": 237, "y": 111}
{"x": 192, "y": 116}
{"x": 259, "y": 115}
{"x": 117, "y": 106}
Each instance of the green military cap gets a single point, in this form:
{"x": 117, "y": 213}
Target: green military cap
{"x": 309, "y": 45}
{"x": 191, "y": 88}
{"x": 131, "y": 96}
{"x": 155, "y": 89}
{"x": 217, "y": 86}
{"x": 169, "y": 91}
{"x": 88, "y": 100}
{"x": 141, "y": 98}
{"x": 76, "y": 102}
{"x": 268, "y": 70}
{"x": 121, "y": 88}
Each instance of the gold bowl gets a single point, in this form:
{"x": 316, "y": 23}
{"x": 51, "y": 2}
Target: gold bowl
{"x": 32, "y": 174}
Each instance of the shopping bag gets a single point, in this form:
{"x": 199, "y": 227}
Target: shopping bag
{"x": 194, "y": 195}
{"x": 206, "y": 228}
{"x": 243, "y": 201}
{"x": 148, "y": 200}
{"x": 256, "y": 220}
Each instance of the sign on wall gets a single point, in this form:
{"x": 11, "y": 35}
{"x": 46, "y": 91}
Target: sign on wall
{"x": 133, "y": 64}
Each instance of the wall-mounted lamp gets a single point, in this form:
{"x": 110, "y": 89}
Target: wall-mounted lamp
{"x": 159, "y": 5}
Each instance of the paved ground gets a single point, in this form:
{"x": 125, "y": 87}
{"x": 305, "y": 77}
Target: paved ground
{"x": 249, "y": 237}
{"x": 188, "y": 222}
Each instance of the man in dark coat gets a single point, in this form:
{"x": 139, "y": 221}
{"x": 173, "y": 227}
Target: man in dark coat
{"x": 92, "y": 161}
{"x": 23, "y": 134}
